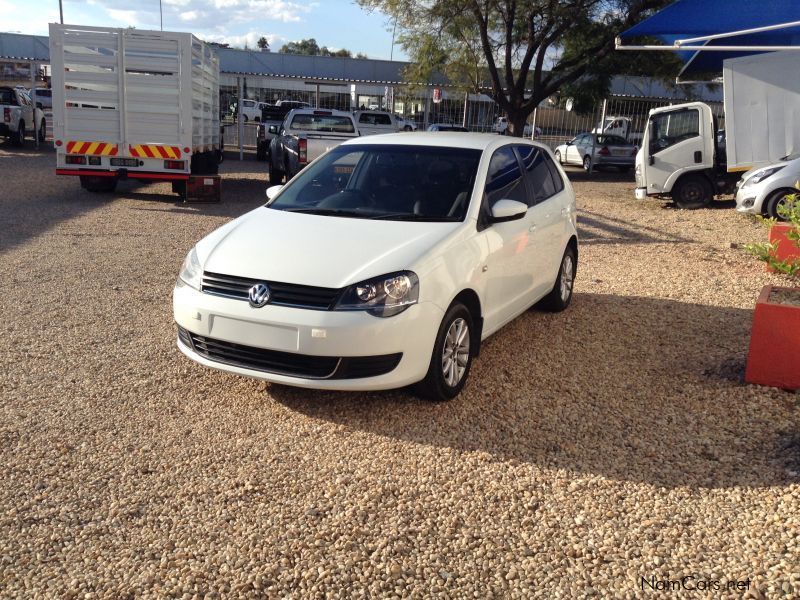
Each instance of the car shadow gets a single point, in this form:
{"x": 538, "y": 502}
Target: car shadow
{"x": 661, "y": 403}
{"x": 595, "y": 228}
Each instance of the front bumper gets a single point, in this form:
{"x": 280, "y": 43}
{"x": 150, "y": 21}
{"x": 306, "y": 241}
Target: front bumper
{"x": 749, "y": 199}
{"x": 640, "y": 193}
{"x": 351, "y": 336}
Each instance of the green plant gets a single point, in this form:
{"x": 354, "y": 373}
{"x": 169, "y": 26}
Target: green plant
{"x": 766, "y": 251}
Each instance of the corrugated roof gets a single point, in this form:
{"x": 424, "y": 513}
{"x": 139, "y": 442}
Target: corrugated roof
{"x": 20, "y": 46}
{"x": 323, "y": 68}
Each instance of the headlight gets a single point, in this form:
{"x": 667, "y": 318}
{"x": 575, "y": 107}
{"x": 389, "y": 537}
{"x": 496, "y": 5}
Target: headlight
{"x": 191, "y": 271}
{"x": 382, "y": 296}
{"x": 760, "y": 176}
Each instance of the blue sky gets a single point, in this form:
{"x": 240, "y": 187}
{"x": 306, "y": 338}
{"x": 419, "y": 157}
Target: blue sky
{"x": 333, "y": 23}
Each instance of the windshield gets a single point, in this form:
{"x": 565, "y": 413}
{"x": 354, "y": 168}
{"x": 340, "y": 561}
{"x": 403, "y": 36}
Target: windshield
{"x": 611, "y": 140}
{"x": 793, "y": 156}
{"x": 411, "y": 183}
{"x": 322, "y": 122}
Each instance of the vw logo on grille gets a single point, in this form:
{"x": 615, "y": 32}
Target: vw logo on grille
{"x": 259, "y": 295}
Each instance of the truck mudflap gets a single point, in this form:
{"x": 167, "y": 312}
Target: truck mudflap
{"x": 641, "y": 193}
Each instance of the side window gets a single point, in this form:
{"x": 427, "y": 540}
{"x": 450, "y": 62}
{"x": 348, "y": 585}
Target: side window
{"x": 504, "y": 180}
{"x": 670, "y": 128}
{"x": 557, "y": 181}
{"x": 382, "y": 119}
{"x": 537, "y": 173}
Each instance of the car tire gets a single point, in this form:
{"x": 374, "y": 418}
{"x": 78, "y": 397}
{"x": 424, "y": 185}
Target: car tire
{"x": 19, "y": 138}
{"x": 452, "y": 356}
{"x": 98, "y": 185}
{"x": 557, "y": 154}
{"x": 587, "y": 163}
{"x": 407, "y": 128}
{"x": 692, "y": 192}
{"x": 245, "y": 118}
{"x": 42, "y": 131}
{"x": 560, "y": 296}
{"x": 775, "y": 200}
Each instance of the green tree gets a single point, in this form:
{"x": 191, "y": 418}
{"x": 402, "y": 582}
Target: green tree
{"x": 527, "y": 49}
{"x": 263, "y": 43}
{"x": 308, "y": 47}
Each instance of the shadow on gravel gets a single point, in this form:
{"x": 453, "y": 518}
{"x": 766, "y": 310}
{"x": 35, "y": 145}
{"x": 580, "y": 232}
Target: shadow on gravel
{"x": 595, "y": 228}
{"x": 633, "y": 389}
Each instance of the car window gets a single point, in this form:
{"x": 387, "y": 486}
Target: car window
{"x": 537, "y": 173}
{"x": 504, "y": 179}
{"x": 248, "y": 103}
{"x": 374, "y": 119}
{"x": 7, "y": 97}
{"x": 670, "y": 128}
{"x": 611, "y": 140}
{"x": 322, "y": 122}
{"x": 385, "y": 181}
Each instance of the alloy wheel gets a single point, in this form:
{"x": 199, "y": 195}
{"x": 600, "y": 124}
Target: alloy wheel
{"x": 455, "y": 352}
{"x": 567, "y": 277}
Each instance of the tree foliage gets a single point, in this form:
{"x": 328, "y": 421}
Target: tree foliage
{"x": 310, "y": 47}
{"x": 526, "y": 50}
{"x": 263, "y": 43}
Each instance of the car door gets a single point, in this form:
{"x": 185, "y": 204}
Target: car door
{"x": 549, "y": 215}
{"x": 675, "y": 140}
{"x": 509, "y": 279}
{"x": 574, "y": 156}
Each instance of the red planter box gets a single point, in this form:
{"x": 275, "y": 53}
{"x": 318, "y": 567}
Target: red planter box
{"x": 787, "y": 249}
{"x": 774, "y": 356}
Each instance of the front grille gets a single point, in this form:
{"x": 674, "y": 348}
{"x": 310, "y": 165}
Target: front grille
{"x": 289, "y": 363}
{"x": 283, "y": 294}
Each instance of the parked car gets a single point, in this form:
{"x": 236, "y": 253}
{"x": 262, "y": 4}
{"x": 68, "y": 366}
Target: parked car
{"x": 609, "y": 151}
{"x": 290, "y": 104}
{"x": 446, "y": 127}
{"x": 271, "y": 116}
{"x": 762, "y": 190}
{"x": 404, "y": 124}
{"x": 407, "y": 251}
{"x": 251, "y": 110}
{"x": 371, "y": 122}
{"x": 304, "y": 135}
{"x": 19, "y": 114}
{"x": 620, "y": 127}
{"x": 501, "y": 126}
{"x": 44, "y": 98}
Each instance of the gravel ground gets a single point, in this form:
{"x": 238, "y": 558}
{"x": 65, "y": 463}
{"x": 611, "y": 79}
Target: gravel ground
{"x": 590, "y": 449}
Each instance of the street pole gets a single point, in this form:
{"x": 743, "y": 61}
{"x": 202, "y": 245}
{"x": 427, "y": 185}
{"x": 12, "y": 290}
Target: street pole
{"x": 61, "y": 11}
{"x": 391, "y": 52}
{"x": 240, "y": 121}
{"x": 161, "y": 15}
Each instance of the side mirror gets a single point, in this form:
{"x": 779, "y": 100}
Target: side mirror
{"x": 273, "y": 190}
{"x": 273, "y": 129}
{"x": 508, "y": 210}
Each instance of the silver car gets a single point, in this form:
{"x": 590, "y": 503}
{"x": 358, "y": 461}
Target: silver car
{"x": 762, "y": 190}
{"x": 609, "y": 150}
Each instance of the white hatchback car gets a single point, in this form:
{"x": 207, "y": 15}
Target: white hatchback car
{"x": 762, "y": 190}
{"x": 383, "y": 263}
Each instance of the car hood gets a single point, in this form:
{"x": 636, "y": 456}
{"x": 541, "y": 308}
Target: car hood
{"x": 323, "y": 251}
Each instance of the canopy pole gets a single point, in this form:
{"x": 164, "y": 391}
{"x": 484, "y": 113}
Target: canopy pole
{"x": 718, "y": 36}
{"x": 712, "y": 48}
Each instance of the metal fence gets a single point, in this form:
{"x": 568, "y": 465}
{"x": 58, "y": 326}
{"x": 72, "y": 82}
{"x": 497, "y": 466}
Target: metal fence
{"x": 619, "y": 115}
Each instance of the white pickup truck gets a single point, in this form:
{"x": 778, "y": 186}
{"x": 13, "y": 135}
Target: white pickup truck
{"x": 304, "y": 135}
{"x": 18, "y": 115}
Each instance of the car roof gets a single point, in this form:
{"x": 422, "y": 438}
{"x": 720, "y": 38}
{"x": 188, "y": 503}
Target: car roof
{"x": 442, "y": 139}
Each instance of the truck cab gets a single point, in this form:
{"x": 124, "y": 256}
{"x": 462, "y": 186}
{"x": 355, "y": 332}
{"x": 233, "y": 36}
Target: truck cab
{"x": 679, "y": 158}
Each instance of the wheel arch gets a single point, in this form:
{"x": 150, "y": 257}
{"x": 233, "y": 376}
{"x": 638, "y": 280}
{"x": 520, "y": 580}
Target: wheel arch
{"x": 675, "y": 179}
{"x": 779, "y": 190}
{"x": 469, "y": 298}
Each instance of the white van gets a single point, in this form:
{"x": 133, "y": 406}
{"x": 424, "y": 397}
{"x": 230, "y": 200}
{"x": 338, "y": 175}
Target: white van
{"x": 371, "y": 122}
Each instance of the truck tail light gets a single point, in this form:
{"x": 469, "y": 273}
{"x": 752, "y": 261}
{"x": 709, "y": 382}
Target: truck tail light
{"x": 604, "y": 151}
{"x": 7, "y": 114}
{"x": 174, "y": 164}
{"x": 302, "y": 151}
{"x": 76, "y": 160}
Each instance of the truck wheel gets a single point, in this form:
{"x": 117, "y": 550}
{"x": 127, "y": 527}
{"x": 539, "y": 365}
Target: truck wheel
{"x": 692, "y": 192}
{"x": 587, "y": 163}
{"x": 98, "y": 184}
{"x": 275, "y": 175}
{"x": 42, "y": 131}
{"x": 19, "y": 139}
{"x": 775, "y": 201}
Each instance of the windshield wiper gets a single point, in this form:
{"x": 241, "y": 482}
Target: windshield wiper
{"x": 412, "y": 217}
{"x": 328, "y": 212}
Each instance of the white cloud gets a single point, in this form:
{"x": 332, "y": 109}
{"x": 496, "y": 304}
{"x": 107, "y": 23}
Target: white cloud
{"x": 250, "y": 39}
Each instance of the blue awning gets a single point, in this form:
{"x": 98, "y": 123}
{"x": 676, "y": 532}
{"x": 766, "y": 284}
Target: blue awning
{"x": 688, "y": 19}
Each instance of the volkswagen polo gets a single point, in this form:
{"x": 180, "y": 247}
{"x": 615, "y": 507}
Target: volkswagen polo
{"x": 384, "y": 263}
